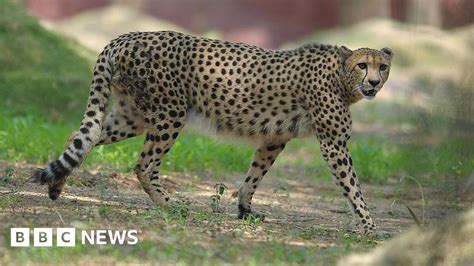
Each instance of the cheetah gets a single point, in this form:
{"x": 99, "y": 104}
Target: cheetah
{"x": 161, "y": 80}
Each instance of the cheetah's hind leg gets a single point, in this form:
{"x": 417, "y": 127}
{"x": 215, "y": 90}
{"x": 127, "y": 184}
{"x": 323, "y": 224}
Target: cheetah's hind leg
{"x": 264, "y": 157}
{"x": 157, "y": 144}
{"x": 121, "y": 123}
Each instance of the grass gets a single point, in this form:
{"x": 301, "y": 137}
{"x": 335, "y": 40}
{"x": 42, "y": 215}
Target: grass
{"x": 175, "y": 226}
{"x": 410, "y": 210}
{"x": 274, "y": 252}
{"x": 39, "y": 69}
{"x": 375, "y": 158}
{"x": 7, "y": 201}
{"x": 169, "y": 242}
{"x": 191, "y": 152}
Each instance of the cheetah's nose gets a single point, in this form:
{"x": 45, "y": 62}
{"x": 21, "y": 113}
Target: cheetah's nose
{"x": 374, "y": 82}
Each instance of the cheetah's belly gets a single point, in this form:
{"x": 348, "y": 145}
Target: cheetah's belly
{"x": 253, "y": 134}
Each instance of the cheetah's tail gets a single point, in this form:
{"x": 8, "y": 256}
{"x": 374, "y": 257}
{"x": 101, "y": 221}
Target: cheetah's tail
{"x": 55, "y": 173}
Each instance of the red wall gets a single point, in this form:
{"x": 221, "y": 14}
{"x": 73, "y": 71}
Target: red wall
{"x": 57, "y": 9}
{"x": 457, "y": 12}
{"x": 266, "y": 23}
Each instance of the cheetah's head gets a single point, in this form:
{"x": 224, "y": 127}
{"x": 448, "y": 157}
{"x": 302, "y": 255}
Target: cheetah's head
{"x": 365, "y": 70}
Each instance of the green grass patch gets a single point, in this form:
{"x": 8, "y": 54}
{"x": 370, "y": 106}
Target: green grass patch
{"x": 41, "y": 72}
{"x": 377, "y": 158}
{"x": 8, "y": 200}
{"x": 171, "y": 251}
{"x": 33, "y": 139}
{"x": 172, "y": 245}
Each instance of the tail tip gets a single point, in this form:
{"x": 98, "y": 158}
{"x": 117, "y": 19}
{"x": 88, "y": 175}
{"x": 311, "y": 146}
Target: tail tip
{"x": 40, "y": 176}
{"x": 55, "y": 183}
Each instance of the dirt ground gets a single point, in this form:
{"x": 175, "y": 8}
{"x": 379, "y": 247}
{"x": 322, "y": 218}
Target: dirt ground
{"x": 300, "y": 210}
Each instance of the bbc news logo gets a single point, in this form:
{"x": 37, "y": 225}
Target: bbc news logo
{"x": 66, "y": 237}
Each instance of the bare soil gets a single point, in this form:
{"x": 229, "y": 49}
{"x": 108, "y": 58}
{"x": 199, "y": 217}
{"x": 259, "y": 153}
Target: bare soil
{"x": 300, "y": 210}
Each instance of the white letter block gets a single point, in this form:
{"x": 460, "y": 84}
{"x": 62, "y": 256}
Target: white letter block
{"x": 66, "y": 237}
{"x": 43, "y": 237}
{"x": 20, "y": 237}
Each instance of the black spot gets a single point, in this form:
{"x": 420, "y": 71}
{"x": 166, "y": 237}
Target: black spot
{"x": 272, "y": 147}
{"x": 165, "y": 136}
{"x": 77, "y": 143}
{"x": 352, "y": 182}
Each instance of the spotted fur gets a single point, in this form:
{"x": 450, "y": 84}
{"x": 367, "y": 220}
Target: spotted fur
{"x": 161, "y": 80}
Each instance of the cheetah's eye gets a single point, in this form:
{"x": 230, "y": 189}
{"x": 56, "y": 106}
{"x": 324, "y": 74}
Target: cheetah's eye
{"x": 362, "y": 65}
{"x": 383, "y": 67}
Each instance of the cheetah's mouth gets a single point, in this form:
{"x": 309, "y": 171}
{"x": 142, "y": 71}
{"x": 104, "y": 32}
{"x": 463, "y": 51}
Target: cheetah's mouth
{"x": 368, "y": 93}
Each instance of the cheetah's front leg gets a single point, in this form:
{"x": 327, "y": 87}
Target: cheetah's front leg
{"x": 340, "y": 162}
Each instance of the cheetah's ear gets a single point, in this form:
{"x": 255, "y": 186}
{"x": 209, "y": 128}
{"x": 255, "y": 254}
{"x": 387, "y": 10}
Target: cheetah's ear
{"x": 344, "y": 52}
{"x": 387, "y": 51}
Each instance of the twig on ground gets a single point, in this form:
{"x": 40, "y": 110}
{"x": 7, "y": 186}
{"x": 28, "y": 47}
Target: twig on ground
{"x": 60, "y": 217}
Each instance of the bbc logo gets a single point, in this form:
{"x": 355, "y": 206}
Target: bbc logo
{"x": 42, "y": 237}
{"x": 66, "y": 237}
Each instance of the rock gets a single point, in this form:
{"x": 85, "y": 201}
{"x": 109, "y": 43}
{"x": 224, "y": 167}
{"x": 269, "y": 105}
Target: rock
{"x": 451, "y": 242}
